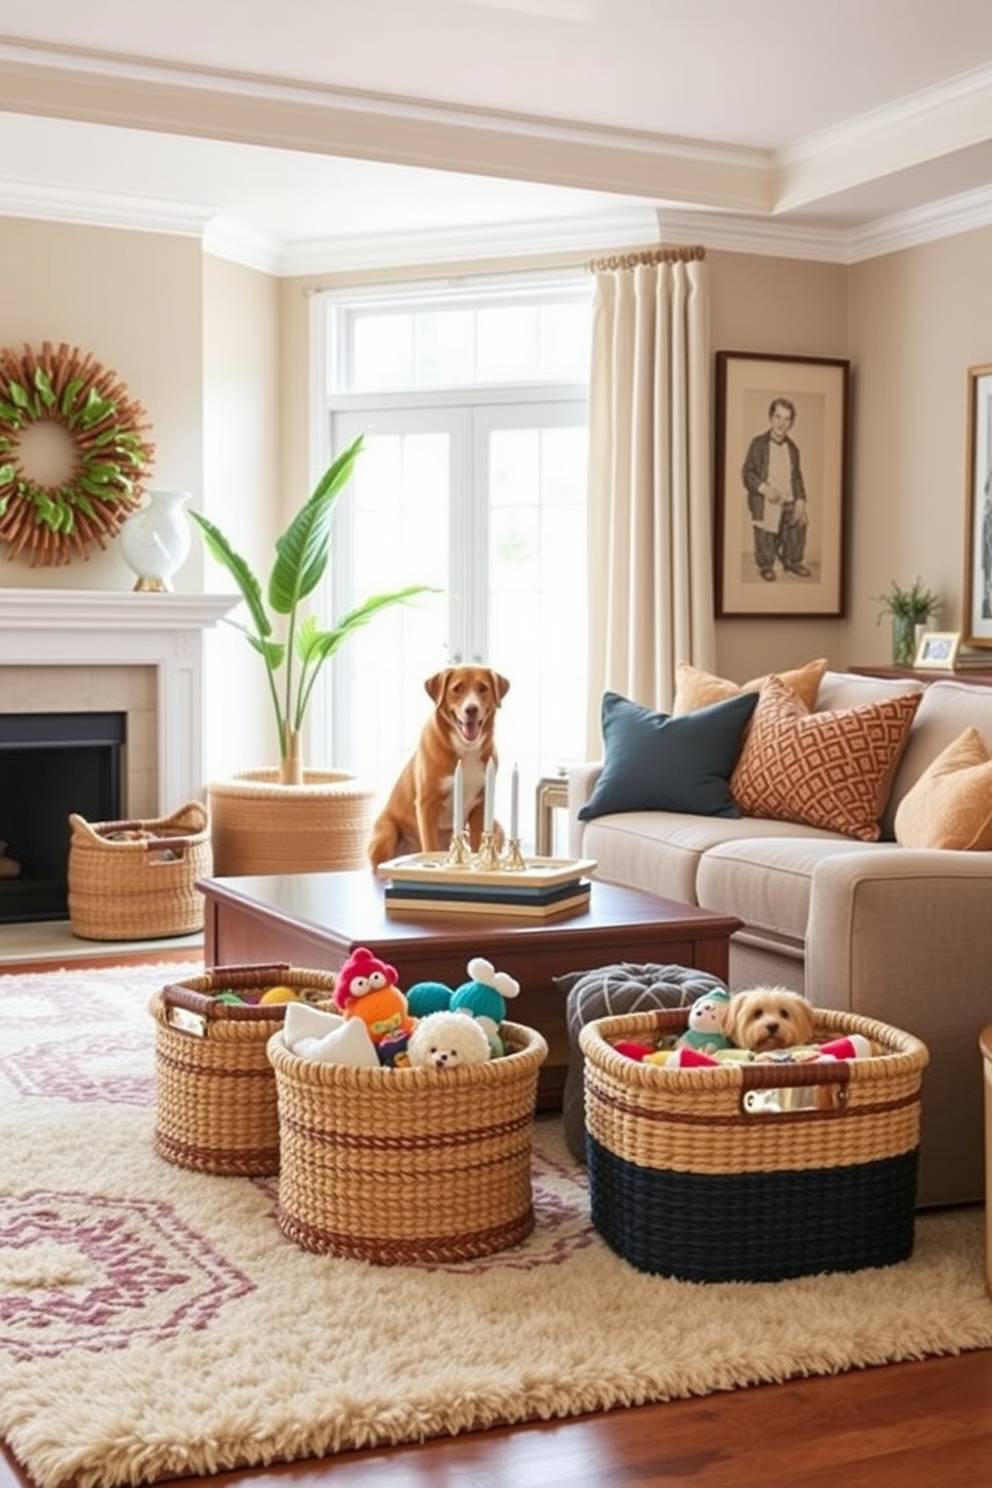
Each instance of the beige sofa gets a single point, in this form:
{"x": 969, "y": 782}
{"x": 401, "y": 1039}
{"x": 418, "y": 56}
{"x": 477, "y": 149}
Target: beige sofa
{"x": 900, "y": 934}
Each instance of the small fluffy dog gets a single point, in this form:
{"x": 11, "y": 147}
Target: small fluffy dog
{"x": 417, "y": 816}
{"x": 446, "y": 1040}
{"x": 766, "y": 1018}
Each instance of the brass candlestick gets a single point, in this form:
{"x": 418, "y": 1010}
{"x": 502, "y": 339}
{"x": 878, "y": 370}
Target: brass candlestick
{"x": 487, "y": 858}
{"x": 459, "y": 851}
{"x": 514, "y": 860}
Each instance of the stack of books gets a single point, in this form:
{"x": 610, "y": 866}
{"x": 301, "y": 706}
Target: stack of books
{"x": 422, "y": 883}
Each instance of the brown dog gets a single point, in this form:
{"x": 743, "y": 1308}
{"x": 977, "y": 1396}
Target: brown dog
{"x": 417, "y": 816}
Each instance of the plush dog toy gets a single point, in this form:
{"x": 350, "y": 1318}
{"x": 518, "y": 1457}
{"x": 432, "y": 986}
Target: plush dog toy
{"x": 446, "y": 1040}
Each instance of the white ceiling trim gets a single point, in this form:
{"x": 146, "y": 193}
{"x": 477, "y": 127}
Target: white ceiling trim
{"x": 933, "y": 123}
{"x": 98, "y": 209}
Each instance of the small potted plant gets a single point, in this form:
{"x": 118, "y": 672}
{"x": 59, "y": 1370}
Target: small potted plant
{"x": 908, "y": 608}
{"x": 283, "y": 819}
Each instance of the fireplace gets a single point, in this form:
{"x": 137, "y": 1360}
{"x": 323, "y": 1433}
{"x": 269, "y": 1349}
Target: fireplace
{"x": 139, "y": 657}
{"x": 52, "y": 764}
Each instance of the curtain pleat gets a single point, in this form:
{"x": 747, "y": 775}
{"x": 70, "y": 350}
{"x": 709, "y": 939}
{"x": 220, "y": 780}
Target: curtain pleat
{"x": 650, "y": 523}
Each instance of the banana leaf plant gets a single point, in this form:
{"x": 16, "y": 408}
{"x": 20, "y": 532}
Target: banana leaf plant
{"x": 293, "y": 659}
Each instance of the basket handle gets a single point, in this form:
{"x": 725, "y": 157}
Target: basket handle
{"x": 833, "y": 1075}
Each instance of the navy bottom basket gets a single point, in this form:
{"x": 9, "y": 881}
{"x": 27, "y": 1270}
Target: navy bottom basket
{"x": 753, "y": 1172}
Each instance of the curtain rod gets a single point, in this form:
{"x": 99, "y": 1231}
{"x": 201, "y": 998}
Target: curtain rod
{"x": 637, "y": 256}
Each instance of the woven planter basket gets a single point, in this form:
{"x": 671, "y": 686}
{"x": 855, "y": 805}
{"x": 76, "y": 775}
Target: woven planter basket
{"x": 400, "y": 1166}
{"x": 690, "y": 1177}
{"x": 260, "y": 826}
{"x": 215, "y": 1093}
{"x": 140, "y": 889}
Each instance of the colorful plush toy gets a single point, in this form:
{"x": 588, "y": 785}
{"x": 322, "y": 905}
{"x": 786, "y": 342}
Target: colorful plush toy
{"x": 384, "y": 1013}
{"x": 705, "y": 1032}
{"x": 424, "y": 998}
{"x": 362, "y": 973}
{"x": 483, "y": 997}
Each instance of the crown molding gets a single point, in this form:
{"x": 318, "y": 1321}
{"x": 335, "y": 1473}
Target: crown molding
{"x": 102, "y": 209}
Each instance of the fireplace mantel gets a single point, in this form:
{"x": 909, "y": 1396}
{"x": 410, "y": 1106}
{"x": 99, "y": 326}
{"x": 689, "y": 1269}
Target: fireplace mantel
{"x": 94, "y": 628}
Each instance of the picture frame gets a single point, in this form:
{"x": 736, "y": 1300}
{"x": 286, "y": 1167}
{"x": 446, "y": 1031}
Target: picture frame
{"x": 978, "y": 511}
{"x": 766, "y": 565}
{"x": 938, "y": 649}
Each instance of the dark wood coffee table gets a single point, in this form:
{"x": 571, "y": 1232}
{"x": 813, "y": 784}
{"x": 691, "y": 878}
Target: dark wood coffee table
{"x": 317, "y": 919}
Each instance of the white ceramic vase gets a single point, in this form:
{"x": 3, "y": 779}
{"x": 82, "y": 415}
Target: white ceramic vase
{"x": 155, "y": 540}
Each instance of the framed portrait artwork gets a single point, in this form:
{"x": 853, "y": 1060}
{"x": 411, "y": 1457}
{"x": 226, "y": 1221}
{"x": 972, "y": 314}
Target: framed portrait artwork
{"x": 978, "y": 511}
{"x": 781, "y": 485}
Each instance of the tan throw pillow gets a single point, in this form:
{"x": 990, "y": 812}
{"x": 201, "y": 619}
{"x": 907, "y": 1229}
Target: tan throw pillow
{"x": 696, "y": 689}
{"x": 950, "y": 805}
{"x": 831, "y": 770}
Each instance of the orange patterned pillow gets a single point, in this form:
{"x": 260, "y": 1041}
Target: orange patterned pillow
{"x": 950, "y": 806}
{"x": 697, "y": 689}
{"x": 831, "y": 770}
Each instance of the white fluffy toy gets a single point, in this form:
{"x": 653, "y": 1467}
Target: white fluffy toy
{"x": 446, "y": 1040}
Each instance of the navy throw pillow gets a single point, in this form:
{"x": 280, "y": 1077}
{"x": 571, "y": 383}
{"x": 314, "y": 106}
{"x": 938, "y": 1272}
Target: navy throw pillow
{"x": 660, "y": 762}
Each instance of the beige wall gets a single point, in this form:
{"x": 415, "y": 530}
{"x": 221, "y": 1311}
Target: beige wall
{"x": 919, "y": 320}
{"x": 133, "y": 300}
{"x": 243, "y": 412}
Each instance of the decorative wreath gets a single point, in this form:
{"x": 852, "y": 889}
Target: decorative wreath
{"x": 112, "y": 457}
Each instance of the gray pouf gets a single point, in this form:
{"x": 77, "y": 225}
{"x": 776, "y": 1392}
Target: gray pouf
{"x": 604, "y": 992}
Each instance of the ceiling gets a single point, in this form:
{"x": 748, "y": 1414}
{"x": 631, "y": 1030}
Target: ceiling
{"x": 317, "y": 134}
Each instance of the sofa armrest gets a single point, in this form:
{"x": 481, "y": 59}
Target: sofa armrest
{"x": 905, "y": 936}
{"x": 892, "y": 931}
{"x": 581, "y": 783}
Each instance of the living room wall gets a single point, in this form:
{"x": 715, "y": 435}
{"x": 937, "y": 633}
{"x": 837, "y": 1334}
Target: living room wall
{"x": 134, "y": 300}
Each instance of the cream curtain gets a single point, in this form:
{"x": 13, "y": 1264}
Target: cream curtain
{"x": 650, "y": 523}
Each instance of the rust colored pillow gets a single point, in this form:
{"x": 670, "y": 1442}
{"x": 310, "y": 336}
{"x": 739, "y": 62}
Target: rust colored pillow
{"x": 950, "y": 806}
{"x": 832, "y": 770}
{"x": 697, "y": 689}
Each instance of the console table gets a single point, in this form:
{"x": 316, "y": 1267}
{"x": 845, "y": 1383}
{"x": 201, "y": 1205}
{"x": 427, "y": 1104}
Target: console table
{"x": 975, "y": 676}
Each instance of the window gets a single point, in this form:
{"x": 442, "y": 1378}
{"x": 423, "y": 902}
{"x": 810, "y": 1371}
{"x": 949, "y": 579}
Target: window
{"x": 473, "y": 405}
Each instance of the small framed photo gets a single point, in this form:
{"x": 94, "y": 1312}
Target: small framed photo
{"x": 781, "y": 485}
{"x": 978, "y": 511}
{"x": 938, "y": 649}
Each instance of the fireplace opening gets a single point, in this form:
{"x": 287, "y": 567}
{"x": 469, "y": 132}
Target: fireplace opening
{"x": 51, "y": 765}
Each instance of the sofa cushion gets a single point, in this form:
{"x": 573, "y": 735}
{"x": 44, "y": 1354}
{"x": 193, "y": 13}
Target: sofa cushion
{"x": 767, "y": 881}
{"x": 654, "y": 762}
{"x": 697, "y": 689}
{"x": 947, "y": 709}
{"x": 950, "y": 806}
{"x": 832, "y": 770}
{"x": 660, "y": 851}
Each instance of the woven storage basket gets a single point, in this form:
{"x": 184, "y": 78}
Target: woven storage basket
{"x": 260, "y": 826}
{"x": 400, "y": 1166}
{"x": 142, "y": 888}
{"x": 215, "y": 1093}
{"x": 688, "y": 1177}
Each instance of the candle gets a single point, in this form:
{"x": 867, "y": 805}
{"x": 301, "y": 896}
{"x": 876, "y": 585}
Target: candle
{"x": 515, "y": 805}
{"x": 458, "y": 801}
{"x": 489, "y": 797}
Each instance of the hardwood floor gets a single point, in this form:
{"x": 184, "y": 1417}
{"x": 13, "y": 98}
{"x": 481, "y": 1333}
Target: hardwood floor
{"x": 919, "y": 1425}
{"x": 916, "y": 1425}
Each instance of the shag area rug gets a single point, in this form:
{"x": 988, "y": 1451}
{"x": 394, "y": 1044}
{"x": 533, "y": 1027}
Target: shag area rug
{"x": 155, "y": 1322}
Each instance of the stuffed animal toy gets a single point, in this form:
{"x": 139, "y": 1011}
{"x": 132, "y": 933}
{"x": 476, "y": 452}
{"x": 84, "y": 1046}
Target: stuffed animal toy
{"x": 445, "y": 1040}
{"x": 361, "y": 973}
{"x": 427, "y": 997}
{"x": 705, "y": 1033}
{"x": 483, "y": 997}
{"x": 327, "y": 1038}
{"x": 384, "y": 1013}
